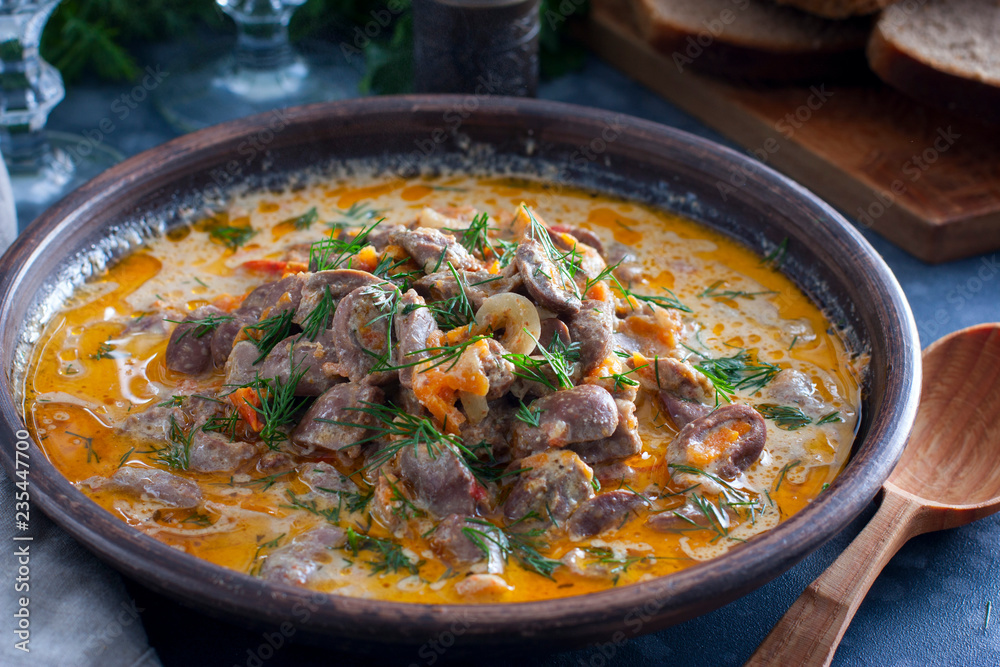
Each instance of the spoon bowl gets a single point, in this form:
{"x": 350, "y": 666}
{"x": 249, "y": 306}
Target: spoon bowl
{"x": 948, "y": 476}
{"x": 952, "y": 461}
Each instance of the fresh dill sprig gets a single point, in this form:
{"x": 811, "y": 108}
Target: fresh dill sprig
{"x": 331, "y": 514}
{"x": 522, "y": 545}
{"x": 104, "y": 351}
{"x": 713, "y": 292}
{"x": 830, "y": 418}
{"x": 528, "y": 415}
{"x": 319, "y": 317}
{"x": 278, "y": 403}
{"x": 455, "y": 311}
{"x": 232, "y": 237}
{"x": 201, "y": 327}
{"x": 197, "y": 519}
{"x": 255, "y": 565}
{"x": 272, "y": 330}
{"x": 784, "y": 472}
{"x": 88, "y": 444}
{"x": 623, "y": 380}
{"x": 172, "y": 402}
{"x": 306, "y": 220}
{"x": 567, "y": 263}
{"x": 125, "y": 457}
{"x": 742, "y": 370}
{"x": 354, "y": 215}
{"x": 224, "y": 425}
{"x": 401, "y": 430}
{"x": 389, "y": 555}
{"x": 475, "y": 238}
{"x": 785, "y": 417}
{"x": 332, "y": 252}
{"x": 177, "y": 452}
{"x": 670, "y": 301}
{"x": 558, "y": 359}
{"x": 264, "y": 483}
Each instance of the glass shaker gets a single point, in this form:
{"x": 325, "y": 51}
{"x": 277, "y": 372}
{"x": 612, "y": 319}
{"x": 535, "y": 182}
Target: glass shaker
{"x": 480, "y": 47}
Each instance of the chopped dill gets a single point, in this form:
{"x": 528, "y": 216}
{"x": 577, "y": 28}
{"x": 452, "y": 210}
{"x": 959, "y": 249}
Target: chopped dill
{"x": 741, "y": 371}
{"x": 475, "y": 238}
{"x": 125, "y": 457}
{"x": 271, "y": 331}
{"x": 713, "y": 292}
{"x": 389, "y": 555}
{"x": 104, "y": 351}
{"x": 232, "y": 237}
{"x": 528, "y": 415}
{"x": 306, "y": 220}
{"x": 785, "y": 417}
{"x": 201, "y": 327}
{"x": 88, "y": 444}
{"x": 783, "y": 473}
{"x": 332, "y": 252}
{"x": 319, "y": 317}
{"x": 830, "y": 418}
{"x": 278, "y": 404}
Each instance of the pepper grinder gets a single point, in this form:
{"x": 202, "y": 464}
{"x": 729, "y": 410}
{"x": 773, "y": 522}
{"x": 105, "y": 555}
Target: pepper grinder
{"x": 479, "y": 47}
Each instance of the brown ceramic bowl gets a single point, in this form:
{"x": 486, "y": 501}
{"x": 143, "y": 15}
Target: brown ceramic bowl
{"x": 558, "y": 142}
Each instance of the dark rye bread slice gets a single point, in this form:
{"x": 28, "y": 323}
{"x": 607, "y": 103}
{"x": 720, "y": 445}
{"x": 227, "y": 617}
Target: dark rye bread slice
{"x": 838, "y": 9}
{"x": 752, "y": 39}
{"x": 945, "y": 53}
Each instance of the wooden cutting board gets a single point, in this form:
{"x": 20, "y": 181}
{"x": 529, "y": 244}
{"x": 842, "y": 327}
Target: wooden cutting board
{"x": 926, "y": 180}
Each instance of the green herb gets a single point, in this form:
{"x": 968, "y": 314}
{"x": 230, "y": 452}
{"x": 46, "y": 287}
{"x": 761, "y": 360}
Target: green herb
{"x": 125, "y": 457}
{"x": 784, "y": 471}
{"x": 388, "y": 555}
{"x": 104, "y": 351}
{"x": 567, "y": 263}
{"x": 273, "y": 329}
{"x": 623, "y": 380}
{"x": 264, "y": 483}
{"x": 88, "y": 444}
{"x": 785, "y": 417}
{"x": 524, "y": 546}
{"x": 232, "y": 237}
{"x": 475, "y": 238}
{"x": 198, "y": 520}
{"x": 172, "y": 402}
{"x": 278, "y": 403}
{"x": 332, "y": 252}
{"x": 199, "y": 328}
{"x": 305, "y": 220}
{"x": 177, "y": 452}
{"x": 742, "y": 370}
{"x": 557, "y": 359}
{"x": 270, "y": 544}
{"x": 776, "y": 257}
{"x": 318, "y": 318}
{"x": 830, "y": 418}
{"x": 224, "y": 425}
{"x": 669, "y": 301}
{"x": 795, "y": 339}
{"x": 405, "y": 509}
{"x": 713, "y": 292}
{"x": 200, "y": 282}
{"x": 530, "y": 416}
{"x": 455, "y": 311}
{"x": 331, "y": 514}
{"x": 355, "y": 214}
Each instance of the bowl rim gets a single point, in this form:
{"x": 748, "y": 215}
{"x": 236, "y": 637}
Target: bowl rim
{"x": 648, "y": 605}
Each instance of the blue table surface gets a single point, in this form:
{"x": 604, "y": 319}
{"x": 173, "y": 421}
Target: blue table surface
{"x": 929, "y": 606}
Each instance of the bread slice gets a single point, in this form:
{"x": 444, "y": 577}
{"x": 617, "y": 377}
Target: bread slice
{"x": 838, "y": 9}
{"x": 942, "y": 52}
{"x": 752, "y": 39}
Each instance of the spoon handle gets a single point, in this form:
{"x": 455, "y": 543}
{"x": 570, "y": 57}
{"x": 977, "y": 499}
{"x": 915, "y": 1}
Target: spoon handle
{"x": 810, "y": 631}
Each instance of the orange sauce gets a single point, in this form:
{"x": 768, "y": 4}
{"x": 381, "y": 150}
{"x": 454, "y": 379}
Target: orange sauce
{"x": 86, "y": 375}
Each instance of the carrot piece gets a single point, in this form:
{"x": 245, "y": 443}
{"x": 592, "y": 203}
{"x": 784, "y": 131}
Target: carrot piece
{"x": 245, "y": 400}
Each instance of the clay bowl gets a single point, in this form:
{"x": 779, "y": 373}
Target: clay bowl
{"x": 561, "y": 143}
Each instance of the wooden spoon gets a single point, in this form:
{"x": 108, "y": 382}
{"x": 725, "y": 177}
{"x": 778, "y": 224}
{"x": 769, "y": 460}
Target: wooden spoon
{"x": 949, "y": 476}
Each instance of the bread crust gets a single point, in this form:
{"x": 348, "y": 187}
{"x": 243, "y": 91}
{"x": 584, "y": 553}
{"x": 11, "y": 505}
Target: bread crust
{"x": 726, "y": 56}
{"x": 925, "y": 83}
{"x": 838, "y": 9}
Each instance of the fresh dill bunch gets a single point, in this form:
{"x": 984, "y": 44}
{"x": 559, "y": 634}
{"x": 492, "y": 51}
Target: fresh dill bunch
{"x": 785, "y": 417}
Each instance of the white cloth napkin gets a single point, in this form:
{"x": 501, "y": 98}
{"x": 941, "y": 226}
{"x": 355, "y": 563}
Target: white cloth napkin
{"x": 78, "y": 611}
